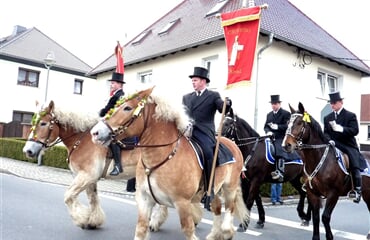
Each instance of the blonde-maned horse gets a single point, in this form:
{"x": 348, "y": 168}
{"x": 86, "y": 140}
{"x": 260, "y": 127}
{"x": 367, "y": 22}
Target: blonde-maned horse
{"x": 169, "y": 172}
{"x": 87, "y": 161}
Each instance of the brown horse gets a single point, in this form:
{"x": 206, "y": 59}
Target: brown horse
{"x": 86, "y": 160}
{"x": 326, "y": 178}
{"x": 258, "y": 169}
{"x": 169, "y": 172}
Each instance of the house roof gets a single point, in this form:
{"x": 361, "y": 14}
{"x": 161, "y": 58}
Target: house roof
{"x": 193, "y": 29}
{"x": 30, "y": 46}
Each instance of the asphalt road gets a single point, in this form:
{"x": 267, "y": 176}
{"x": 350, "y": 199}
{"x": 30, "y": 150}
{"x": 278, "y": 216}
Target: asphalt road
{"x": 35, "y": 210}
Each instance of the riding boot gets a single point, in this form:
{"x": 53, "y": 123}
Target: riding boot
{"x": 278, "y": 173}
{"x": 207, "y": 174}
{"x": 116, "y": 152}
{"x": 356, "y": 194}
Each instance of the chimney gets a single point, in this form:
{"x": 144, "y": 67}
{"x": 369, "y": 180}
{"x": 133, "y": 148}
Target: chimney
{"x": 18, "y": 29}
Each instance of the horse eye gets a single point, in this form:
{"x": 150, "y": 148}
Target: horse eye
{"x": 127, "y": 108}
{"x": 43, "y": 123}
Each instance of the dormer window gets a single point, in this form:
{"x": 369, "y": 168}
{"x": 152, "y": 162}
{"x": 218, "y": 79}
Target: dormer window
{"x": 168, "y": 27}
{"x": 217, "y": 8}
{"x": 141, "y": 37}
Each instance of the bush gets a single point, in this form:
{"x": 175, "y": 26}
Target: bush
{"x": 13, "y": 148}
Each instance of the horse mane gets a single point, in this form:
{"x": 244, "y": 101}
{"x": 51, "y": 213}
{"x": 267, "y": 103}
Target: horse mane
{"x": 317, "y": 128}
{"x": 76, "y": 119}
{"x": 171, "y": 111}
{"x": 246, "y": 126}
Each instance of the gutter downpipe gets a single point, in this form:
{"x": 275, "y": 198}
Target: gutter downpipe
{"x": 271, "y": 37}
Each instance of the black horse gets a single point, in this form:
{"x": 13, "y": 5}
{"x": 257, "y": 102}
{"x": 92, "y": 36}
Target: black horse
{"x": 258, "y": 169}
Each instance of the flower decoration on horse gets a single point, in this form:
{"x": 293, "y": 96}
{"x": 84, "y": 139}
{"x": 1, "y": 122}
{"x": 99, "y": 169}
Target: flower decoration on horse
{"x": 35, "y": 120}
{"x": 119, "y": 102}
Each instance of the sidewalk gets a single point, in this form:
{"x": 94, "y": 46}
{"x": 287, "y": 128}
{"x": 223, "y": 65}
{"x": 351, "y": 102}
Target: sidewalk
{"x": 56, "y": 175}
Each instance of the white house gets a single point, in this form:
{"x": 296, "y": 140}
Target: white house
{"x": 295, "y": 58}
{"x": 26, "y": 78}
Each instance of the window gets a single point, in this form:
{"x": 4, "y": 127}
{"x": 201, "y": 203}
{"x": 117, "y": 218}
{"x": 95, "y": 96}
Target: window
{"x": 217, "y": 8}
{"x": 368, "y": 132}
{"x": 328, "y": 83}
{"x": 78, "y": 86}
{"x": 145, "y": 77}
{"x": 23, "y": 117}
{"x": 168, "y": 27}
{"x": 141, "y": 37}
{"x": 28, "y": 77}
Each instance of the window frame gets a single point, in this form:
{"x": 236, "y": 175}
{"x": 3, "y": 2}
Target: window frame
{"x": 145, "y": 77}
{"x": 329, "y": 82}
{"x": 80, "y": 81}
{"x": 26, "y": 78}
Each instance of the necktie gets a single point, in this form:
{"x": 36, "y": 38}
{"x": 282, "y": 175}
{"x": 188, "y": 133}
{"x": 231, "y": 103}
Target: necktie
{"x": 198, "y": 93}
{"x": 336, "y": 115}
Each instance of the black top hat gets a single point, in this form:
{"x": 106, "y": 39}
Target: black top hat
{"x": 117, "y": 77}
{"x": 201, "y": 73}
{"x": 275, "y": 99}
{"x": 334, "y": 97}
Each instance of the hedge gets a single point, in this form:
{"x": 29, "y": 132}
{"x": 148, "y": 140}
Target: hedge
{"x": 13, "y": 148}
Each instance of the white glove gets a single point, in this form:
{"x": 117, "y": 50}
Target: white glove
{"x": 273, "y": 126}
{"x": 331, "y": 142}
{"x": 269, "y": 133}
{"x": 337, "y": 128}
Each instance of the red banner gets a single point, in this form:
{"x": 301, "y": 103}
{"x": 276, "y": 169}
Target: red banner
{"x": 118, "y": 51}
{"x": 241, "y": 29}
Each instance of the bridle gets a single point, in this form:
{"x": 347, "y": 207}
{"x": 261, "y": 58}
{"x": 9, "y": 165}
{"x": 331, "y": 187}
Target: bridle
{"x": 300, "y": 145}
{"x": 46, "y": 144}
{"x": 232, "y": 133}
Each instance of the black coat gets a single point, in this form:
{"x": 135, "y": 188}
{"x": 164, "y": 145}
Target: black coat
{"x": 345, "y": 141}
{"x": 112, "y": 101}
{"x": 281, "y": 118}
{"x": 202, "y": 110}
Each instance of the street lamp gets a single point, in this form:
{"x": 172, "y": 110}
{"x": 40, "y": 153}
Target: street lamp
{"x": 49, "y": 61}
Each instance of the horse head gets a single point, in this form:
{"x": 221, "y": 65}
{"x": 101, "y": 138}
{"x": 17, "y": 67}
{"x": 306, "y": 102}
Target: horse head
{"x": 121, "y": 121}
{"x": 44, "y": 131}
{"x": 297, "y": 132}
{"x": 229, "y": 125}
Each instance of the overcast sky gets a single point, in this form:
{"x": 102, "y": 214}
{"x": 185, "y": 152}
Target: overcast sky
{"x": 90, "y": 29}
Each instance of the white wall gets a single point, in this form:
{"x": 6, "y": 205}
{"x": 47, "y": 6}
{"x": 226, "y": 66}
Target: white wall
{"x": 276, "y": 75}
{"x": 16, "y": 97}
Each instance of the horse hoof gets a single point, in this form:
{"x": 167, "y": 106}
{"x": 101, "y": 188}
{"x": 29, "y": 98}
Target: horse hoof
{"x": 241, "y": 228}
{"x": 90, "y": 227}
{"x": 259, "y": 225}
{"x": 305, "y": 223}
{"x": 368, "y": 236}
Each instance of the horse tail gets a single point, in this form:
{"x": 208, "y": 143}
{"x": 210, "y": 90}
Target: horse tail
{"x": 241, "y": 210}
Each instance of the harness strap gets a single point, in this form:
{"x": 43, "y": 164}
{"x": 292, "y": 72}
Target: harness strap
{"x": 318, "y": 167}
{"x": 148, "y": 171}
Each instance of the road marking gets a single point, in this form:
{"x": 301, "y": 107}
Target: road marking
{"x": 273, "y": 220}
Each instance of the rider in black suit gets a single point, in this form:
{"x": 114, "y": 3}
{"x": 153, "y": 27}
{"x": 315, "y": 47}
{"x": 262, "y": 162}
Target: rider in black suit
{"x": 341, "y": 126}
{"x": 276, "y": 124}
{"x": 201, "y": 105}
{"x": 116, "y": 93}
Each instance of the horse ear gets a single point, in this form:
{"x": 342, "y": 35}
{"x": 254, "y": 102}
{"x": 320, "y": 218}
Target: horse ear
{"x": 51, "y": 105}
{"x": 292, "y": 110}
{"x": 301, "y": 108}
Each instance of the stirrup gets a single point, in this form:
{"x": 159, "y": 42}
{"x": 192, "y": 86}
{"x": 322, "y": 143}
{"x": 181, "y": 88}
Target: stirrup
{"x": 356, "y": 196}
{"x": 276, "y": 175}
